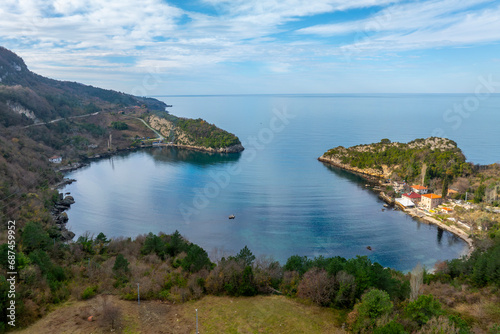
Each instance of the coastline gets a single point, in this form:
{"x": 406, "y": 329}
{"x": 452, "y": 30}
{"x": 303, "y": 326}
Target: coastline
{"x": 59, "y": 215}
{"x": 421, "y": 217}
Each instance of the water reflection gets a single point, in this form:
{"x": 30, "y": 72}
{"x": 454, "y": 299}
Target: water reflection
{"x": 174, "y": 155}
{"x": 439, "y": 235}
{"x": 352, "y": 177}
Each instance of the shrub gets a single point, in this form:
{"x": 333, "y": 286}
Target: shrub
{"x": 89, "y": 292}
{"x": 391, "y": 327}
{"x": 423, "y": 309}
{"x": 374, "y": 304}
{"x": 317, "y": 286}
{"x": 119, "y": 125}
{"x": 439, "y": 325}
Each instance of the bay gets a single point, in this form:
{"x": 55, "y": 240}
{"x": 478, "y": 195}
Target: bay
{"x": 284, "y": 200}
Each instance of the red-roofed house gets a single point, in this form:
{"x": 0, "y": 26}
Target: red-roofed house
{"x": 419, "y": 189}
{"x": 414, "y": 197}
{"x": 55, "y": 159}
{"x": 430, "y": 201}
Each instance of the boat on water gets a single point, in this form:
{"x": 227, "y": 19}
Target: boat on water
{"x": 168, "y": 106}
{"x": 232, "y": 217}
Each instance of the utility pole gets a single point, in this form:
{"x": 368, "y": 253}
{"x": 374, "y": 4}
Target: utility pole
{"x": 138, "y": 296}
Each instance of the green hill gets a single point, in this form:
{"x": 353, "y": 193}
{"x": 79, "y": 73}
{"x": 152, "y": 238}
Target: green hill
{"x": 46, "y": 99}
{"x": 436, "y": 157}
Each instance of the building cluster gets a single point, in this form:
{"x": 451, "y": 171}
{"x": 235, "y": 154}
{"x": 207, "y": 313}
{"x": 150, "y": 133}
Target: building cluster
{"x": 419, "y": 196}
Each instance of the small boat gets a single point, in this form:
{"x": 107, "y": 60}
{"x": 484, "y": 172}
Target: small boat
{"x": 231, "y": 217}
{"x": 386, "y": 205}
{"x": 168, "y": 106}
{"x": 369, "y": 248}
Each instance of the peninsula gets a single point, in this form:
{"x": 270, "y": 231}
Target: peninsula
{"x": 77, "y": 121}
{"x": 428, "y": 179}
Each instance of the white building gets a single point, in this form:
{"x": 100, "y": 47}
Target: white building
{"x": 55, "y": 159}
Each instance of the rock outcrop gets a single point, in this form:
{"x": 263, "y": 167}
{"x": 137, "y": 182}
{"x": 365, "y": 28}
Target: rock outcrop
{"x": 371, "y": 172}
{"x": 60, "y": 217}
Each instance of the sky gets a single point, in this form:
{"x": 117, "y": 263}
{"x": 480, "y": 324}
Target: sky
{"x": 183, "y": 47}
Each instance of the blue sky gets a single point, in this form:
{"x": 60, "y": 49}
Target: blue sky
{"x": 156, "y": 47}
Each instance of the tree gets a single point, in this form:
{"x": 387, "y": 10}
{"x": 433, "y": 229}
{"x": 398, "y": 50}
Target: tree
{"x": 35, "y": 237}
{"x": 246, "y": 256}
{"x": 196, "y": 259}
{"x": 176, "y": 244}
{"x": 101, "y": 238}
{"x": 374, "y": 304}
{"x": 297, "y": 263}
{"x": 120, "y": 269}
{"x": 153, "y": 244}
{"x": 444, "y": 191}
{"x": 416, "y": 281}
{"x": 479, "y": 193}
{"x": 317, "y": 286}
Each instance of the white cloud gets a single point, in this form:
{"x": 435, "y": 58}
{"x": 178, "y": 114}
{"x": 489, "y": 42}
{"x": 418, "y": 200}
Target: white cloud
{"x": 470, "y": 28}
{"x": 75, "y": 35}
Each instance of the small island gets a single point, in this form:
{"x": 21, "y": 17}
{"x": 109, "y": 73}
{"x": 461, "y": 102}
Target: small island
{"x": 428, "y": 179}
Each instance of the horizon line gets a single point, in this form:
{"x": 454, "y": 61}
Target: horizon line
{"x": 306, "y": 94}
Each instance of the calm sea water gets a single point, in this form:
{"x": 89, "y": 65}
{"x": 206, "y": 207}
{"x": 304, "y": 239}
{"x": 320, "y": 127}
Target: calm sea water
{"x": 285, "y": 201}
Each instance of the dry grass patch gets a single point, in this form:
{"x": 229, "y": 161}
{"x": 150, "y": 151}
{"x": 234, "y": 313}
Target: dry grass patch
{"x": 261, "y": 314}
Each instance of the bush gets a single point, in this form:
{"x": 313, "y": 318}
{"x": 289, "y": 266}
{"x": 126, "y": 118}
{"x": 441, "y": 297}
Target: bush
{"x": 119, "y": 125}
{"x": 423, "y": 309}
{"x": 89, "y": 292}
{"x": 374, "y": 304}
{"x": 391, "y": 327}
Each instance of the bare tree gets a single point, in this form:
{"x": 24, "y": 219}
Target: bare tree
{"x": 416, "y": 281}
{"x": 316, "y": 286}
{"x": 111, "y": 314}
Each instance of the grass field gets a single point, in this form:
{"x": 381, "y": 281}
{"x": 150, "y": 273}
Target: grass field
{"x": 261, "y": 314}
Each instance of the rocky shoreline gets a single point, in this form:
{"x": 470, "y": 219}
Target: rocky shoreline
{"x": 370, "y": 174}
{"x": 60, "y": 217}
{"x": 378, "y": 177}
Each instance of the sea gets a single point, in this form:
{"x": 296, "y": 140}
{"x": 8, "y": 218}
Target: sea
{"x": 284, "y": 201}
